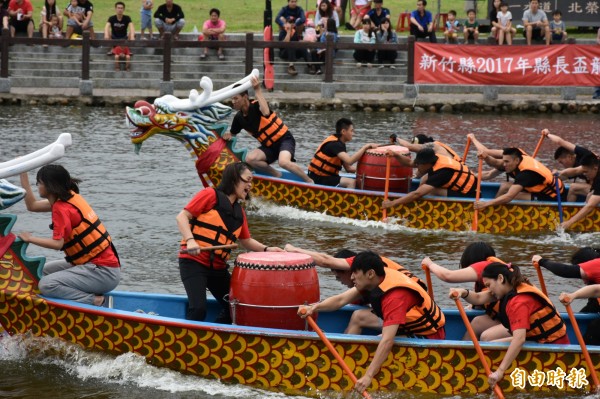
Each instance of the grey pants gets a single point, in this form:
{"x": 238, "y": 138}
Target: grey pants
{"x": 79, "y": 283}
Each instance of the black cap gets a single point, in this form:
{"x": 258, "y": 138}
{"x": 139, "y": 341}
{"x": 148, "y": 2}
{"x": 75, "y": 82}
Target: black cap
{"x": 426, "y": 156}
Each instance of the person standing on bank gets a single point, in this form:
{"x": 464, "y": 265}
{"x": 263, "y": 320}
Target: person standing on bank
{"x": 276, "y": 142}
{"x": 91, "y": 267}
{"x": 214, "y": 217}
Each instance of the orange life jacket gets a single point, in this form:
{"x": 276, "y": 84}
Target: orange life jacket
{"x": 453, "y": 153}
{"x": 546, "y": 325}
{"x": 324, "y": 165}
{"x": 463, "y": 179}
{"x": 423, "y": 319}
{"x": 89, "y": 238}
{"x": 219, "y": 226}
{"x": 548, "y": 187}
{"x": 271, "y": 128}
{"x": 396, "y": 266}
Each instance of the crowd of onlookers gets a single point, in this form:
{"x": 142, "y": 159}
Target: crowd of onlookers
{"x": 371, "y": 22}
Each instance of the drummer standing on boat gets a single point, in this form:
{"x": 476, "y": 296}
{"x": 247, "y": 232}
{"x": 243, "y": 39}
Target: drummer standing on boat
{"x": 214, "y": 217}
{"x": 331, "y": 155}
{"x": 405, "y": 307}
{"x": 276, "y": 141}
{"x": 443, "y": 174}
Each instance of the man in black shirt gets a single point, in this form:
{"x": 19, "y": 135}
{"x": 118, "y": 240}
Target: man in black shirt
{"x": 120, "y": 26}
{"x": 276, "y": 142}
{"x": 569, "y": 155}
{"x": 589, "y": 164}
{"x": 443, "y": 174}
{"x": 169, "y": 18}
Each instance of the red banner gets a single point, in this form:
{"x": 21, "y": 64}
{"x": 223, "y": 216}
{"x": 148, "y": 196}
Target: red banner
{"x": 555, "y": 65}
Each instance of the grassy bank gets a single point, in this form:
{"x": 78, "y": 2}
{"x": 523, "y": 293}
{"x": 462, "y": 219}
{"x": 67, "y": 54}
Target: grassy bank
{"x": 247, "y": 15}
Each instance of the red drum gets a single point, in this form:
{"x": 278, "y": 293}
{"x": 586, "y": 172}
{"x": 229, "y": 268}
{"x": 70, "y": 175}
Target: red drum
{"x": 370, "y": 172}
{"x": 267, "y": 288}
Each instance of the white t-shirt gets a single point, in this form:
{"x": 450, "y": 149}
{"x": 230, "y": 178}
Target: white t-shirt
{"x": 504, "y": 19}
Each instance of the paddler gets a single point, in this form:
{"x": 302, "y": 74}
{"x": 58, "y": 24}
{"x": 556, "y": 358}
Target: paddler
{"x": 214, "y": 217}
{"x": 405, "y": 307}
{"x": 533, "y": 181}
{"x": 331, "y": 155}
{"x": 475, "y": 258}
{"x": 443, "y": 174}
{"x": 341, "y": 264}
{"x": 524, "y": 310}
{"x": 589, "y": 165}
{"x": 570, "y": 155}
{"x": 276, "y": 141}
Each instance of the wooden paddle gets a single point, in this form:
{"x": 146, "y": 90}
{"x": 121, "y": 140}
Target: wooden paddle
{"x": 428, "y": 278}
{"x": 333, "y": 351}
{"x": 584, "y": 350}
{"x": 538, "y": 269}
{"x": 539, "y": 144}
{"x": 388, "y": 166}
{"x": 478, "y": 349}
{"x": 213, "y": 248}
{"x": 464, "y": 158}
{"x": 477, "y": 195}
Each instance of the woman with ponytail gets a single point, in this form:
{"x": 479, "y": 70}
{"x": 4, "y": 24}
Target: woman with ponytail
{"x": 525, "y": 311}
{"x": 91, "y": 267}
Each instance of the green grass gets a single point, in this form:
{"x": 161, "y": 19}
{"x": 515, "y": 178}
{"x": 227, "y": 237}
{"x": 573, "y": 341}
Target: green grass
{"x": 247, "y": 15}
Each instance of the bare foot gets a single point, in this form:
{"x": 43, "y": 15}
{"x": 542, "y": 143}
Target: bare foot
{"x": 98, "y": 300}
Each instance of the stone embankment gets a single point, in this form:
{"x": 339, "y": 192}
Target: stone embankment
{"x": 40, "y": 75}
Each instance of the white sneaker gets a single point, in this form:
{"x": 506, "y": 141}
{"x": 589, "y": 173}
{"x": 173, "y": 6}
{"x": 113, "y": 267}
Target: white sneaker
{"x": 358, "y": 64}
{"x": 392, "y": 67}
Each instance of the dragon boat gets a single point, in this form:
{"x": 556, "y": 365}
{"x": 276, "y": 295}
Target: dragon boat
{"x": 292, "y": 361}
{"x": 198, "y": 122}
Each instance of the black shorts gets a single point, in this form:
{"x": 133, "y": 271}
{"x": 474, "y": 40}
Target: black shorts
{"x": 536, "y": 33}
{"x": 331, "y": 181}
{"x": 286, "y": 143}
{"x": 21, "y": 26}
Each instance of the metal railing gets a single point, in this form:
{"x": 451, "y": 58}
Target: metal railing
{"x": 167, "y": 44}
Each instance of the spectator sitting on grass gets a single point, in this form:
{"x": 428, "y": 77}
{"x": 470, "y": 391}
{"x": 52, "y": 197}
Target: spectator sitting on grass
{"x": 80, "y": 14}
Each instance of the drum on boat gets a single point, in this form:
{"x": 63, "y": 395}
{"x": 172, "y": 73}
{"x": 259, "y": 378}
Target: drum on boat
{"x": 267, "y": 288}
{"x": 370, "y": 171}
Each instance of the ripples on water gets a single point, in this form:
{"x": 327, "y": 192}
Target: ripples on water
{"x": 138, "y": 197}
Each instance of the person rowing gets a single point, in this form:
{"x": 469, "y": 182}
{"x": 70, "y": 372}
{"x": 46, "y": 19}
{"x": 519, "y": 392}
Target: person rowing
{"x": 341, "y": 264}
{"x": 419, "y": 142}
{"x": 405, "y": 307}
{"x": 444, "y": 174}
{"x": 590, "y": 165}
{"x": 475, "y": 258}
{"x": 532, "y": 180}
{"x": 570, "y": 155}
{"x": 585, "y": 265}
{"x": 524, "y": 310}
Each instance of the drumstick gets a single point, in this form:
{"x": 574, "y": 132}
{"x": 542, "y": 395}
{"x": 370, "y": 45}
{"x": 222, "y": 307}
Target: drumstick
{"x": 213, "y": 248}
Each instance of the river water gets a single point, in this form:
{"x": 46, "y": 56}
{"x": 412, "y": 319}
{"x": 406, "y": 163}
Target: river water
{"x": 138, "y": 197}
